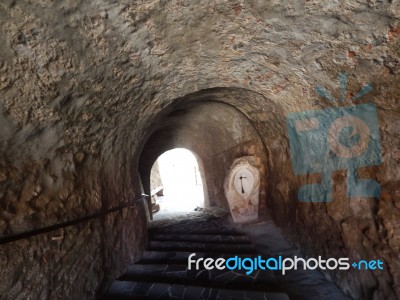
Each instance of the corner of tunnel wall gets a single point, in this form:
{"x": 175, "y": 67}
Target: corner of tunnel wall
{"x": 125, "y": 231}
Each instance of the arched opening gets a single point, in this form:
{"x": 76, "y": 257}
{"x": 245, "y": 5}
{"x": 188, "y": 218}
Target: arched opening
{"x": 176, "y": 182}
{"x": 217, "y": 132}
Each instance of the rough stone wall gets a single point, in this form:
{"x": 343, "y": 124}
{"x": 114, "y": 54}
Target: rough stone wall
{"x": 82, "y": 83}
{"x": 71, "y": 263}
{"x": 155, "y": 177}
{"x": 35, "y": 267}
{"x": 62, "y": 157}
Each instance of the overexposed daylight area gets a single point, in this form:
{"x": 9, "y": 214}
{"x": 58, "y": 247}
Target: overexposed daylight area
{"x": 180, "y": 177}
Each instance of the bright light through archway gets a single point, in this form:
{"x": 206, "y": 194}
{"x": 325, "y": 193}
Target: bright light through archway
{"x": 180, "y": 176}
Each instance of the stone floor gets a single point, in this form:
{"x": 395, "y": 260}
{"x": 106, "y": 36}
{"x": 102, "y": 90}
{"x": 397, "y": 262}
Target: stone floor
{"x": 163, "y": 271}
{"x": 298, "y": 284}
{"x": 147, "y": 290}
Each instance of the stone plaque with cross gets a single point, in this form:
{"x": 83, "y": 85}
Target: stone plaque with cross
{"x": 242, "y": 189}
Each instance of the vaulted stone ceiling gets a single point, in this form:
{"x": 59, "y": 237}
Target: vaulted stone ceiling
{"x": 84, "y": 85}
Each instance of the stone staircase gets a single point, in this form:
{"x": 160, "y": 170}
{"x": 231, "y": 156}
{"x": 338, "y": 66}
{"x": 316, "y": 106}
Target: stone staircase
{"x": 163, "y": 272}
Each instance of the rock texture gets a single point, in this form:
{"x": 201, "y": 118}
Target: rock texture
{"x": 84, "y": 84}
{"x": 155, "y": 177}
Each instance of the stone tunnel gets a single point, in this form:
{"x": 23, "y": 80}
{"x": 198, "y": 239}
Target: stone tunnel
{"x": 92, "y": 92}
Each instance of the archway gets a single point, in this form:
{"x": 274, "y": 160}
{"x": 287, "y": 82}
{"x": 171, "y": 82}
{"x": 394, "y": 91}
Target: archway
{"x": 217, "y": 132}
{"x": 176, "y": 181}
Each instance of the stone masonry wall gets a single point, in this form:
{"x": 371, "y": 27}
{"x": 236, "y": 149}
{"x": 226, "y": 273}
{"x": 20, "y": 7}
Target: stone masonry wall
{"x": 82, "y": 84}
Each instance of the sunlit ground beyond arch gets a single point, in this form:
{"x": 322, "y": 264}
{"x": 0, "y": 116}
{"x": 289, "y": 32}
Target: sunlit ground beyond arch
{"x": 183, "y": 187}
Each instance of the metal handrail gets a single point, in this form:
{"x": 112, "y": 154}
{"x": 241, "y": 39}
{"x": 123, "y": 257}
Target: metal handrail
{"x": 27, "y": 234}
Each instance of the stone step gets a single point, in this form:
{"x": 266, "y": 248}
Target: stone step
{"x": 180, "y": 257}
{"x": 199, "y": 229}
{"x": 202, "y": 247}
{"x": 202, "y": 238}
{"x": 180, "y": 274}
{"x": 121, "y": 290}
